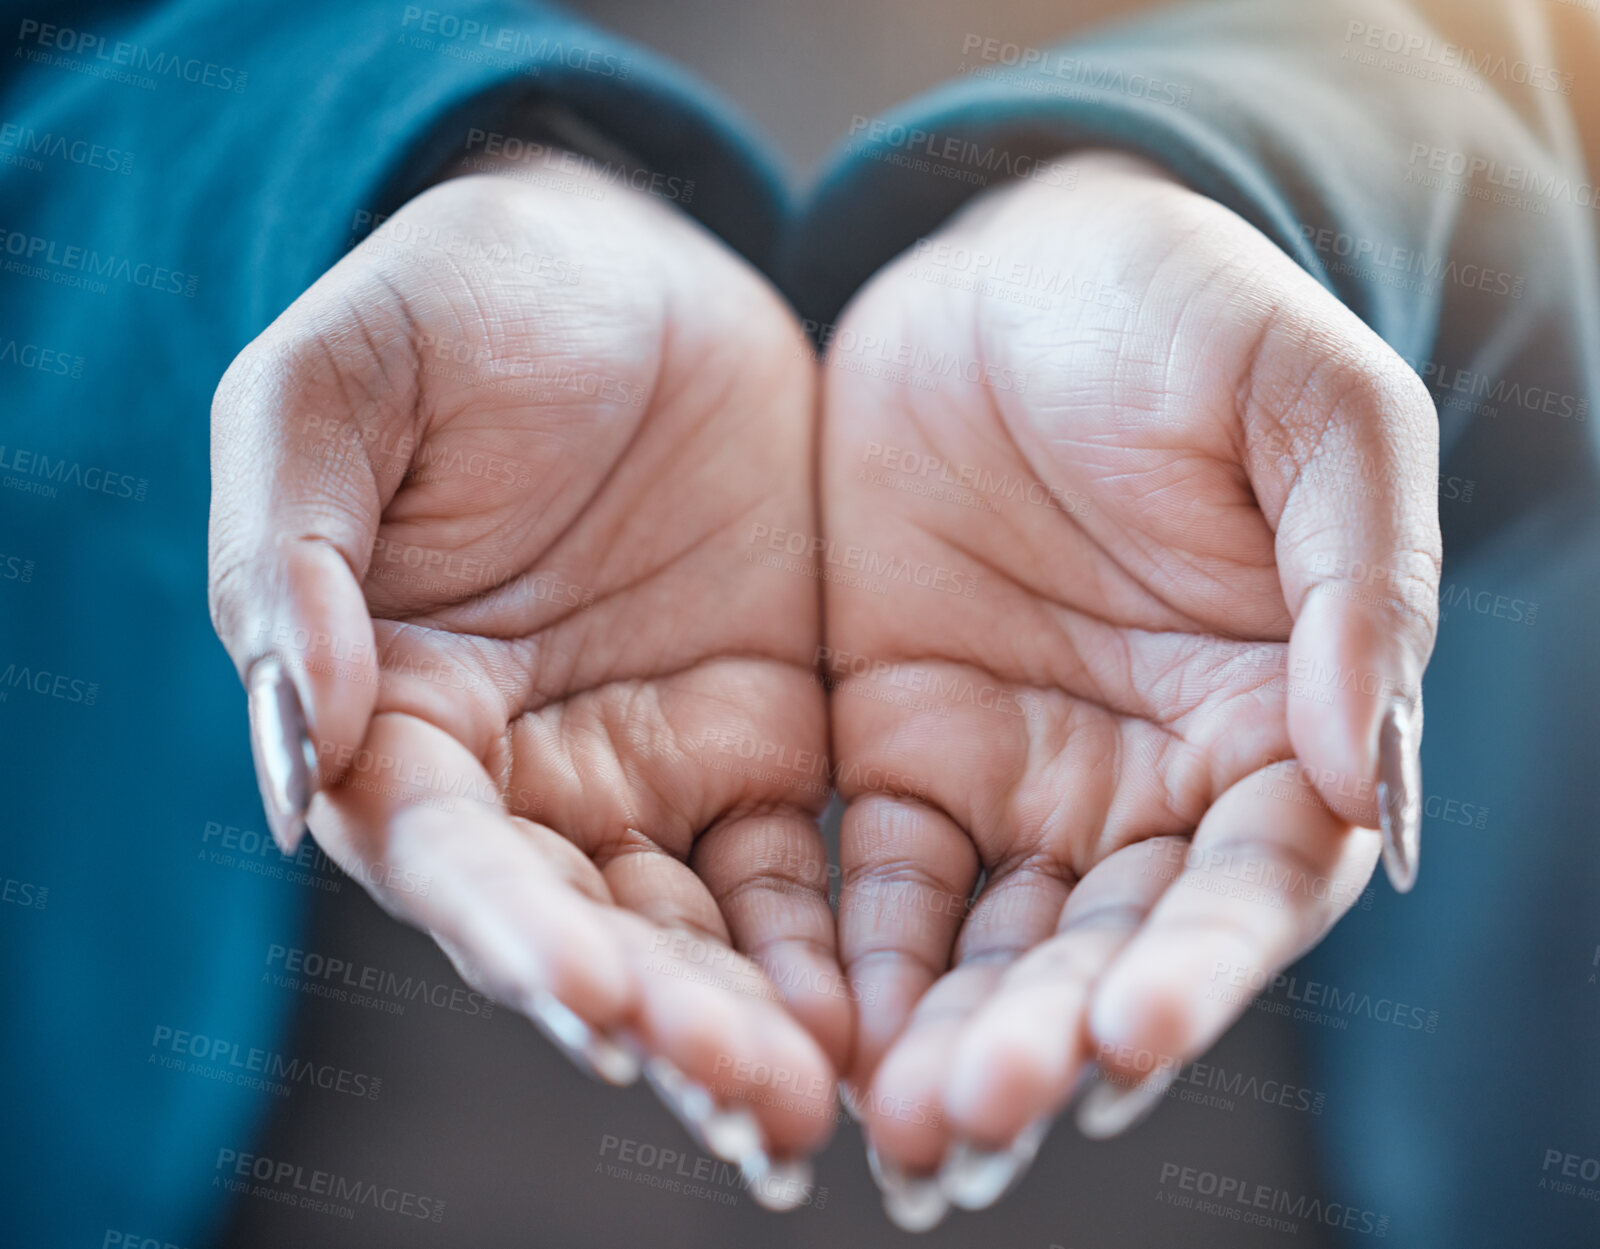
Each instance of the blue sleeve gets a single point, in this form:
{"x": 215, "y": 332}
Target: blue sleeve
{"x": 263, "y": 129}
{"x": 171, "y": 177}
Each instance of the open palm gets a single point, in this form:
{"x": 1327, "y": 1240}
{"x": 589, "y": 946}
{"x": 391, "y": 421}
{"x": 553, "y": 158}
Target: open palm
{"x": 1126, "y": 624}
{"x": 485, "y": 500}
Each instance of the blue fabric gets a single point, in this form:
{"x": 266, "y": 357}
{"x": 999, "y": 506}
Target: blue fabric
{"x": 1298, "y": 118}
{"x": 217, "y": 172}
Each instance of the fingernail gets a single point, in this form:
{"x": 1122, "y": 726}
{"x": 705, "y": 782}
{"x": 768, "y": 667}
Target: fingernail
{"x": 286, "y": 762}
{"x": 777, "y": 1186}
{"x": 594, "y": 1053}
{"x": 914, "y": 1203}
{"x": 730, "y": 1133}
{"x": 1400, "y": 794}
{"x": 850, "y": 1100}
{"x": 733, "y": 1135}
{"x": 1109, "y": 1108}
{"x": 974, "y": 1178}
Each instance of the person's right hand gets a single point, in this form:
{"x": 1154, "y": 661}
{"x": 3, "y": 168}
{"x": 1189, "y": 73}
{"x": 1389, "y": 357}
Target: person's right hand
{"x": 486, "y": 506}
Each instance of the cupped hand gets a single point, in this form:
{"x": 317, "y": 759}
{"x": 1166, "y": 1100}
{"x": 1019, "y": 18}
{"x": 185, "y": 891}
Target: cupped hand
{"x": 484, "y": 506}
{"x": 1134, "y": 562}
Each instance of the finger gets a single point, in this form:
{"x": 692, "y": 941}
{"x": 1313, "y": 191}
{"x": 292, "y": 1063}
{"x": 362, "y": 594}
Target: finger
{"x": 901, "y": 1113}
{"x": 741, "y": 942}
{"x": 724, "y": 768}
{"x": 664, "y": 889}
{"x": 294, "y": 509}
{"x": 907, "y": 872}
{"x": 1342, "y": 451}
{"x": 530, "y": 918}
{"x": 731, "y": 1043}
{"x": 768, "y": 874}
{"x": 1019, "y": 907}
{"x": 1024, "y": 1050}
{"x": 1271, "y": 869}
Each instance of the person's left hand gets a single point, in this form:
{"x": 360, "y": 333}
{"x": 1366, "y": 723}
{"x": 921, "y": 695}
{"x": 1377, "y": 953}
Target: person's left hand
{"x": 1134, "y": 559}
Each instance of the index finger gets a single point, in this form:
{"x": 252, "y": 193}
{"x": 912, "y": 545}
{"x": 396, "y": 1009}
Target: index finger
{"x": 1270, "y": 871}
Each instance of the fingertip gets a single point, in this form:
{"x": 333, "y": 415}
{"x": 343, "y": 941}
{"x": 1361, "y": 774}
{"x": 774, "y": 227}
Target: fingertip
{"x": 1140, "y": 1019}
{"x": 997, "y": 1085}
{"x": 745, "y": 1050}
{"x": 902, "y": 1114}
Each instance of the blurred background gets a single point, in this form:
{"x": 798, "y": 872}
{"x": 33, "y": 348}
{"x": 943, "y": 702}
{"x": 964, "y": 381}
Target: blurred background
{"x": 471, "y": 1111}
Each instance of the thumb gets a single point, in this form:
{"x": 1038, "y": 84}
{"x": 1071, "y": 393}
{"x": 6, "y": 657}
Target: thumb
{"x": 1343, "y": 452}
{"x": 299, "y": 482}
